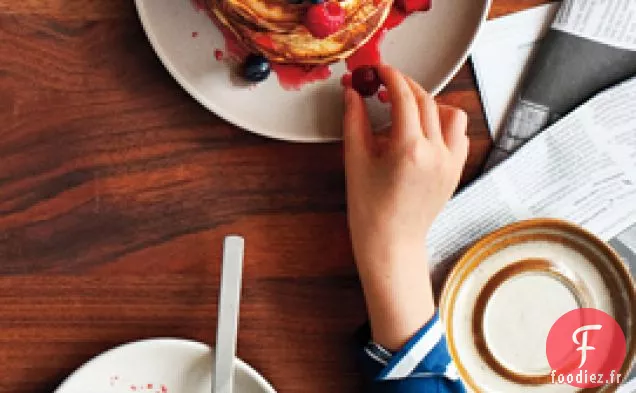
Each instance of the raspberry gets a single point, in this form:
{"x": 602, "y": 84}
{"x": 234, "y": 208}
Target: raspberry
{"x": 366, "y": 80}
{"x": 410, "y": 6}
{"x": 322, "y": 20}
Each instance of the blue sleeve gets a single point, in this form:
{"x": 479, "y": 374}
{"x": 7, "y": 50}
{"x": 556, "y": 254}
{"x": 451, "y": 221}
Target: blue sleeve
{"x": 422, "y": 365}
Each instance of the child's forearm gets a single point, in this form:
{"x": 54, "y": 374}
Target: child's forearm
{"x": 397, "y": 183}
{"x": 399, "y": 299}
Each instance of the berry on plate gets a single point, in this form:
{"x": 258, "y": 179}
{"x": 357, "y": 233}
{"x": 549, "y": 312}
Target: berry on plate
{"x": 324, "y": 19}
{"x": 366, "y": 80}
{"x": 410, "y": 6}
{"x": 256, "y": 68}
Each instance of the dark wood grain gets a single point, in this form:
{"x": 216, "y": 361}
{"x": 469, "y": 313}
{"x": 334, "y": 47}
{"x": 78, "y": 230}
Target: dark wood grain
{"x": 116, "y": 190}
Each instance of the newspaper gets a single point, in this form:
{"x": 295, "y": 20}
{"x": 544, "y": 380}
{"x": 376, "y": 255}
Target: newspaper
{"x": 591, "y": 46}
{"x": 515, "y": 39}
{"x": 581, "y": 169}
{"x": 501, "y": 56}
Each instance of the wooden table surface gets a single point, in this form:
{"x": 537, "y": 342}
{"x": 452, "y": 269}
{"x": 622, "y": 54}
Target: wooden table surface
{"x": 116, "y": 190}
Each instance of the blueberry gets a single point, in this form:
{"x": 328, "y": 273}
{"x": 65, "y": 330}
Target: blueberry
{"x": 317, "y": 1}
{"x": 256, "y": 68}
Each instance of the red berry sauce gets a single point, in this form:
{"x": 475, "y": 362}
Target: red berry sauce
{"x": 369, "y": 53}
{"x": 347, "y": 80}
{"x": 232, "y": 46}
{"x": 293, "y": 77}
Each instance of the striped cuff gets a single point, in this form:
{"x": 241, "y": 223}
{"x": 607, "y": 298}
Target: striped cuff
{"x": 425, "y": 355}
{"x": 378, "y": 353}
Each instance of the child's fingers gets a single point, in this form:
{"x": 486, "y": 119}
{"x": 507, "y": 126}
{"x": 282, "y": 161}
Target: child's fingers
{"x": 429, "y": 114}
{"x": 356, "y": 126}
{"x": 404, "y": 110}
{"x": 454, "y": 123}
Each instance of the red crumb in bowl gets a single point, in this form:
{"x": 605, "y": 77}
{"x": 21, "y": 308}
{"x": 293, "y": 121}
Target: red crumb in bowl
{"x": 149, "y": 388}
{"x": 218, "y": 54}
{"x": 115, "y": 381}
{"x": 195, "y": 34}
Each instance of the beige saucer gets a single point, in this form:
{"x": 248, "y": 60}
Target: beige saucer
{"x": 506, "y": 292}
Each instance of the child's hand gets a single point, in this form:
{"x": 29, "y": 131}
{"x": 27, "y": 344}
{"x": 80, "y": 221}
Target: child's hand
{"x": 397, "y": 183}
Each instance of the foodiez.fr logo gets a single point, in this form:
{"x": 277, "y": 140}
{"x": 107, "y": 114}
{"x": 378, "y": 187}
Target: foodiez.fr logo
{"x": 586, "y": 348}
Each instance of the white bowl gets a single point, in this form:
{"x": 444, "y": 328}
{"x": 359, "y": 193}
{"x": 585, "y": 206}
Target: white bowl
{"x": 158, "y": 366}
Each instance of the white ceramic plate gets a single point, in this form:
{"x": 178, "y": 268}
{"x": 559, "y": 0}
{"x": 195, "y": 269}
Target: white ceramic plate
{"x": 158, "y": 366}
{"x": 431, "y": 47}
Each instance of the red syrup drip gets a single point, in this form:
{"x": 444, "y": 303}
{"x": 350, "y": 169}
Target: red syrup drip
{"x": 232, "y": 46}
{"x": 218, "y": 54}
{"x": 346, "y": 80}
{"x": 369, "y": 53}
{"x": 383, "y": 96}
{"x": 293, "y": 77}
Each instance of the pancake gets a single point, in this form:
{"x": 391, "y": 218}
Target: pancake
{"x": 280, "y": 15}
{"x": 275, "y": 28}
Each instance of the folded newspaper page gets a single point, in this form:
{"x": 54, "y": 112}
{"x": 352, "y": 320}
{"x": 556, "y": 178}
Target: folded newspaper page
{"x": 502, "y": 54}
{"x": 581, "y": 169}
{"x": 591, "y": 46}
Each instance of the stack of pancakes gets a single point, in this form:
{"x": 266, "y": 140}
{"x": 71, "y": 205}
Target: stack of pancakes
{"x": 275, "y": 28}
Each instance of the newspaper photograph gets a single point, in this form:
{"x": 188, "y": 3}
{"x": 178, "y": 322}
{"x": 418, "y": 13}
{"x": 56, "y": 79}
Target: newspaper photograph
{"x": 590, "y": 46}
